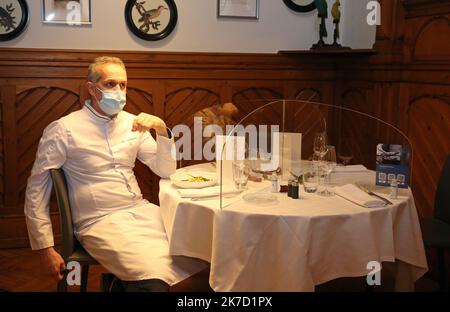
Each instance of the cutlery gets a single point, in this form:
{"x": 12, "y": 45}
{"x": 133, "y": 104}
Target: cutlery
{"x": 388, "y": 202}
{"x": 209, "y": 197}
{"x": 204, "y": 198}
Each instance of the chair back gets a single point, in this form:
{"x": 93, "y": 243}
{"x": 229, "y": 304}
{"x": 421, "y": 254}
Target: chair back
{"x": 69, "y": 241}
{"x": 442, "y": 199}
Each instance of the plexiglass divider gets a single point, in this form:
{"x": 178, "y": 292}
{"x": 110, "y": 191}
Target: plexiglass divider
{"x": 278, "y": 145}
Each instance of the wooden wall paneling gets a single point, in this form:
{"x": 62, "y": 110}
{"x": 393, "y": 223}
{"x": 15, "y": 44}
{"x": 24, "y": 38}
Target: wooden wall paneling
{"x": 391, "y": 10}
{"x": 13, "y": 231}
{"x": 429, "y": 129}
{"x": 2, "y": 165}
{"x": 184, "y": 99}
{"x": 251, "y": 99}
{"x": 431, "y": 40}
{"x": 261, "y": 106}
{"x": 174, "y": 85}
{"x": 159, "y": 97}
{"x": 35, "y": 109}
{"x": 358, "y": 129}
{"x": 140, "y": 99}
{"x": 389, "y": 37}
{"x": 309, "y": 118}
{"x": 385, "y": 102}
{"x": 423, "y": 92}
{"x": 181, "y": 104}
{"x": 418, "y": 8}
{"x": 10, "y": 148}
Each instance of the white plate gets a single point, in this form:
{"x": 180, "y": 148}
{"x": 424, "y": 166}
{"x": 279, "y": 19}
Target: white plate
{"x": 180, "y": 179}
{"x": 260, "y": 198}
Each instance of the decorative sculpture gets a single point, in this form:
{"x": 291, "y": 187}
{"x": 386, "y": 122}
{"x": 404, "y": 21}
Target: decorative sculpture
{"x": 322, "y": 8}
{"x": 336, "y": 13}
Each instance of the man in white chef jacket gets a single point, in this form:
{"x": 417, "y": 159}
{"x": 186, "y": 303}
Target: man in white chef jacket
{"x": 97, "y": 147}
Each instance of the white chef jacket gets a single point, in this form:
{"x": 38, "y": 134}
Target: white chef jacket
{"x": 119, "y": 228}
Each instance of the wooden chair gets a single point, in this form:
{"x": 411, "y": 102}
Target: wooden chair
{"x": 436, "y": 231}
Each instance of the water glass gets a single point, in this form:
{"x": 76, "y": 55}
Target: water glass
{"x": 310, "y": 180}
{"x": 241, "y": 171}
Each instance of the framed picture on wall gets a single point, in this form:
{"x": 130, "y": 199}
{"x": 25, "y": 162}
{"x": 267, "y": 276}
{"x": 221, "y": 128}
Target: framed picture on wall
{"x": 70, "y": 12}
{"x": 300, "y": 5}
{"x": 13, "y": 18}
{"x": 151, "y": 19}
{"x": 238, "y": 8}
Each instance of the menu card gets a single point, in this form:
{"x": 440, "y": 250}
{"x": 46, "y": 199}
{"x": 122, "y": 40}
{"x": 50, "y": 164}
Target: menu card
{"x": 392, "y": 163}
{"x": 228, "y": 149}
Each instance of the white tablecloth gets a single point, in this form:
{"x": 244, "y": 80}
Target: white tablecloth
{"x": 293, "y": 245}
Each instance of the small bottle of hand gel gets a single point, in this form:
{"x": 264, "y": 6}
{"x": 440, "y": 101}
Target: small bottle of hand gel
{"x": 274, "y": 181}
{"x": 394, "y": 189}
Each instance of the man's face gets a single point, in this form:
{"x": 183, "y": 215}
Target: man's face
{"x": 112, "y": 77}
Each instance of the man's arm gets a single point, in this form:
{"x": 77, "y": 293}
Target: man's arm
{"x": 157, "y": 155}
{"x": 51, "y": 154}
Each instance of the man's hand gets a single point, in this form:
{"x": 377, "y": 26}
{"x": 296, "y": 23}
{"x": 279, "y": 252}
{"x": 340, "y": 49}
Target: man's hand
{"x": 145, "y": 122}
{"x": 52, "y": 262}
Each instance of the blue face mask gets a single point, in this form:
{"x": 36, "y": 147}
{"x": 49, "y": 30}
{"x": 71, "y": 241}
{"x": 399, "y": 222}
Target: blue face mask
{"x": 112, "y": 101}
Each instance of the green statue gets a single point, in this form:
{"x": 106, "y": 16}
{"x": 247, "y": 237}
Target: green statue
{"x": 322, "y": 8}
{"x": 336, "y": 13}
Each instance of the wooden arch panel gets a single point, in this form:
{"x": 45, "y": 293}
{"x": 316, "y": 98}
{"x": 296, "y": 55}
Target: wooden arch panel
{"x": 308, "y": 118}
{"x": 2, "y": 159}
{"x": 428, "y": 129}
{"x": 356, "y": 130}
{"x": 432, "y": 41}
{"x": 180, "y": 108}
{"x": 35, "y": 109}
{"x": 250, "y": 103}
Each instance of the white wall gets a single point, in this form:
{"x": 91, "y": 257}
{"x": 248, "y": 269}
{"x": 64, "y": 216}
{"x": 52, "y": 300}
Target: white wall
{"x": 198, "y": 29}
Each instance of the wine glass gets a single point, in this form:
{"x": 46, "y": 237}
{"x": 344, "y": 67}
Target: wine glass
{"x": 320, "y": 144}
{"x": 345, "y": 153}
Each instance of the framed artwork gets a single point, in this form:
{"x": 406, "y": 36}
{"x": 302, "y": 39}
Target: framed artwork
{"x": 238, "y": 8}
{"x": 13, "y": 18}
{"x": 70, "y": 12}
{"x": 300, "y": 5}
{"x": 151, "y": 19}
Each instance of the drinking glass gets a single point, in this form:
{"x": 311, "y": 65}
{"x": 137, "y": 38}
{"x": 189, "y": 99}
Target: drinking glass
{"x": 311, "y": 179}
{"x": 327, "y": 165}
{"x": 320, "y": 144}
{"x": 241, "y": 171}
{"x": 345, "y": 153}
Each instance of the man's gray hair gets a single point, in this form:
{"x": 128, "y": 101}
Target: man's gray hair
{"x": 93, "y": 74}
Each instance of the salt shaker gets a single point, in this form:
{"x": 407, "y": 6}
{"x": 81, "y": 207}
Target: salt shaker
{"x": 274, "y": 181}
{"x": 393, "y": 189}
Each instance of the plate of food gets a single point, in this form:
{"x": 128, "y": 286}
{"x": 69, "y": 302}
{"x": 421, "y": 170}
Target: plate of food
{"x": 193, "y": 179}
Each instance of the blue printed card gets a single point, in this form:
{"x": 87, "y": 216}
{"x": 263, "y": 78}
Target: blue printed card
{"x": 392, "y": 163}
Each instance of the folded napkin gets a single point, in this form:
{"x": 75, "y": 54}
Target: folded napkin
{"x": 349, "y": 168}
{"x": 354, "y": 194}
{"x": 207, "y": 191}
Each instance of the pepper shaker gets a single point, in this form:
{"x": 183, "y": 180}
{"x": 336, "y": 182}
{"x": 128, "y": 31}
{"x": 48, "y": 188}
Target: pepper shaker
{"x": 294, "y": 185}
{"x": 274, "y": 180}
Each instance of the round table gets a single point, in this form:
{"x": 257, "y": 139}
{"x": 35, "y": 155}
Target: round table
{"x": 294, "y": 244}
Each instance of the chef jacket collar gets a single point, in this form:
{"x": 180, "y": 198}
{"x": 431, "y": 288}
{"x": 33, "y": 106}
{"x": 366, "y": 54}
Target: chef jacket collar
{"x": 96, "y": 115}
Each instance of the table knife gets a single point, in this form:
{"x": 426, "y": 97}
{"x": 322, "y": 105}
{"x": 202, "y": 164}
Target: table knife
{"x": 373, "y": 194}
